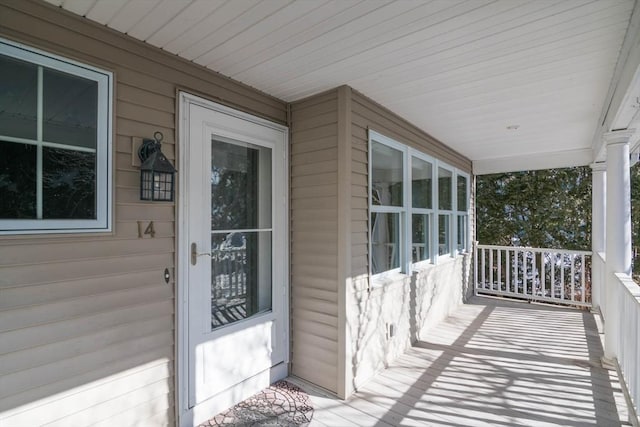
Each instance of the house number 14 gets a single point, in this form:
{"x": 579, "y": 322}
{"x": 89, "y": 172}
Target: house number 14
{"x": 150, "y": 230}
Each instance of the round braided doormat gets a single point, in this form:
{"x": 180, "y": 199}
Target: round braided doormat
{"x": 281, "y": 404}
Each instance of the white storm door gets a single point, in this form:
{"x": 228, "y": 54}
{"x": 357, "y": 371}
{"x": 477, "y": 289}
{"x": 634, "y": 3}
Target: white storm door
{"x": 237, "y": 258}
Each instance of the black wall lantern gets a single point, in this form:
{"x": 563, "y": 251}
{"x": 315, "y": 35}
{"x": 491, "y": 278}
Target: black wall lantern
{"x": 157, "y": 174}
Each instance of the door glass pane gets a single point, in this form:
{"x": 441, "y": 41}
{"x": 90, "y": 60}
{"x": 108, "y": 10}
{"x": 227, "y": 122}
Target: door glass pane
{"x": 68, "y": 184}
{"x": 240, "y": 186}
{"x": 241, "y": 260}
{"x": 18, "y": 98}
{"x": 70, "y": 109}
{"x": 240, "y": 276}
{"x": 17, "y": 180}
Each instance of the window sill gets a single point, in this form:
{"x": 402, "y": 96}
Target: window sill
{"x": 421, "y": 267}
{"x": 387, "y": 280}
{"x": 446, "y": 259}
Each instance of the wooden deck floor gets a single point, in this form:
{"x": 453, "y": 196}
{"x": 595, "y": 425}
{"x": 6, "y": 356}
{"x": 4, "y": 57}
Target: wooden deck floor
{"x": 493, "y": 363}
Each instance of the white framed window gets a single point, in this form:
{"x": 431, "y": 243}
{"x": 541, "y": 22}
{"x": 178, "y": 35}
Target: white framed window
{"x": 445, "y": 203}
{"x": 418, "y": 208}
{"x": 462, "y": 212}
{"x": 55, "y": 143}
{"x": 387, "y": 201}
{"x": 423, "y": 188}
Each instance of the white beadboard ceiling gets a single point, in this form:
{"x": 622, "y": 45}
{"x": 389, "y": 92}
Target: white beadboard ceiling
{"x": 508, "y": 83}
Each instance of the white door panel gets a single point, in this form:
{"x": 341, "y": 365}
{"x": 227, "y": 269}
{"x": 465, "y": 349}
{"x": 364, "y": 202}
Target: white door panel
{"x": 233, "y": 247}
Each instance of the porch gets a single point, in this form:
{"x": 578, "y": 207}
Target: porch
{"x": 493, "y": 362}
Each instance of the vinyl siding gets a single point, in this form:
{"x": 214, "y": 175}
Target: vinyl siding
{"x": 410, "y": 303}
{"x": 86, "y": 320}
{"x": 340, "y": 321}
{"x": 314, "y": 240}
{"x": 366, "y": 115}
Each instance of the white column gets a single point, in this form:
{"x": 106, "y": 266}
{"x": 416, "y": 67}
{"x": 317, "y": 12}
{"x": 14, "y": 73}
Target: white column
{"x": 598, "y": 233}
{"x": 618, "y": 230}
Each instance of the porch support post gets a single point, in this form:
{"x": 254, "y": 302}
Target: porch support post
{"x": 598, "y": 232}
{"x": 618, "y": 230}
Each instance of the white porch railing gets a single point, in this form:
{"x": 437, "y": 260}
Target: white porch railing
{"x": 628, "y": 313}
{"x": 549, "y": 275}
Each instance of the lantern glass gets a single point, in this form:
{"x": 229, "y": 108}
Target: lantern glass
{"x": 146, "y": 185}
{"x": 156, "y": 186}
{"x": 162, "y": 186}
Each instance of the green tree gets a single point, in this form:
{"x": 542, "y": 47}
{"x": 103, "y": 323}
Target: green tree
{"x": 545, "y": 208}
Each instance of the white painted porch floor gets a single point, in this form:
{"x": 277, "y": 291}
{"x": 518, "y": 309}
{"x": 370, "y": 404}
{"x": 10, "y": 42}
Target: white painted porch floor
{"x": 492, "y": 363}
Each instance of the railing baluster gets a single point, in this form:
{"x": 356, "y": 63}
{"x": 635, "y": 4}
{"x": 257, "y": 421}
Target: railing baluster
{"x": 583, "y": 287}
{"x": 573, "y": 277}
{"x": 518, "y": 273}
{"x": 514, "y": 273}
{"x": 499, "y": 269}
{"x": 524, "y": 272}
{"x": 507, "y": 280}
{"x": 543, "y": 276}
{"x": 538, "y": 282}
{"x": 475, "y": 268}
{"x": 484, "y": 283}
{"x": 491, "y": 268}
{"x": 553, "y": 274}
{"x": 562, "y": 276}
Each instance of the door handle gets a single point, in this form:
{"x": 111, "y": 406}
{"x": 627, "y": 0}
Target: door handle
{"x": 195, "y": 254}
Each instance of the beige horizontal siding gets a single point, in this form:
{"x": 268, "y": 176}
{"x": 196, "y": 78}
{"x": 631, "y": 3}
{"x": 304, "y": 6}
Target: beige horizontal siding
{"x": 366, "y": 114}
{"x": 314, "y": 239}
{"x": 55, "y": 408}
{"x": 373, "y": 310}
{"x": 86, "y": 320}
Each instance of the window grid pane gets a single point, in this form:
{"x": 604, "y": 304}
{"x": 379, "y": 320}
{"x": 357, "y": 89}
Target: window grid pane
{"x": 445, "y": 190}
{"x": 462, "y": 193}
{"x": 420, "y": 237}
{"x": 444, "y": 243}
{"x": 386, "y": 242}
{"x": 70, "y": 109}
{"x": 68, "y": 184}
{"x": 17, "y": 180}
{"x": 18, "y": 98}
{"x": 463, "y": 224}
{"x": 421, "y": 184}
{"x": 387, "y": 175}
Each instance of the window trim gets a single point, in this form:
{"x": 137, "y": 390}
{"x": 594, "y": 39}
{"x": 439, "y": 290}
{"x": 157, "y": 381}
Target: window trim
{"x": 424, "y": 211}
{"x": 406, "y": 211}
{"x": 104, "y": 143}
{"x": 401, "y": 210}
{"x": 459, "y": 213}
{"x": 450, "y": 213}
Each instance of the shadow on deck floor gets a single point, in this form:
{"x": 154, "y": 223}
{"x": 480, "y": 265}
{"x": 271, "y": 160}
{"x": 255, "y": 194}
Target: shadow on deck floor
{"x": 492, "y": 363}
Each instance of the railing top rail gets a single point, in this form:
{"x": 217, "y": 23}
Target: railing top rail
{"x": 630, "y": 285}
{"x": 530, "y": 249}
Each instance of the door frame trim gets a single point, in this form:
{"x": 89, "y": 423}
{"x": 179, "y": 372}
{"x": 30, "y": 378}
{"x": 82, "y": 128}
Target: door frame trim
{"x": 185, "y": 415}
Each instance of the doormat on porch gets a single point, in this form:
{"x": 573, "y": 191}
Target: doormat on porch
{"x": 282, "y": 404}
